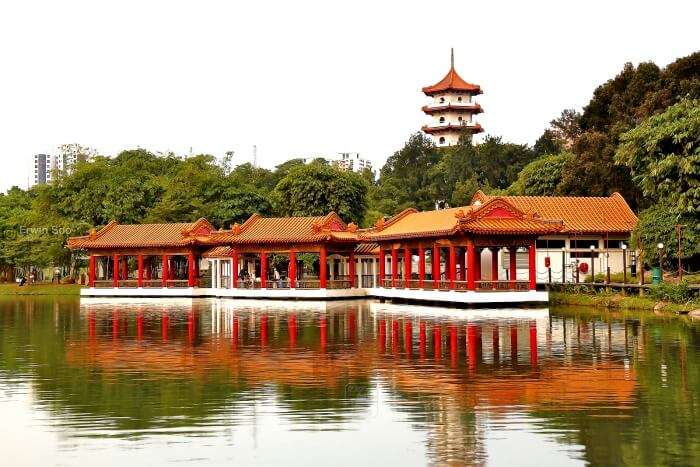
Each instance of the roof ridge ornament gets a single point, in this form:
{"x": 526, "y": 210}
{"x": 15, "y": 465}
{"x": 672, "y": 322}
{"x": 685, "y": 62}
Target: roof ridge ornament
{"x": 236, "y": 228}
{"x": 379, "y": 224}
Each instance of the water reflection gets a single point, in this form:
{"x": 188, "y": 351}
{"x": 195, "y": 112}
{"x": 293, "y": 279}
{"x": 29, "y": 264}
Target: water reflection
{"x": 442, "y": 385}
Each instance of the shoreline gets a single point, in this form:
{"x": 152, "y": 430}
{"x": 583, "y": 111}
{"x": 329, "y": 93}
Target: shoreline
{"x": 10, "y": 290}
{"x": 619, "y": 302}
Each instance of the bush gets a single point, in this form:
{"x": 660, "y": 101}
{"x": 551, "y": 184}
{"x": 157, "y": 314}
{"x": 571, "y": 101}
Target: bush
{"x": 676, "y": 293}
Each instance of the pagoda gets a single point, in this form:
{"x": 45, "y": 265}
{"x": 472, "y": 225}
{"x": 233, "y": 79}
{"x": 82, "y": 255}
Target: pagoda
{"x": 452, "y": 109}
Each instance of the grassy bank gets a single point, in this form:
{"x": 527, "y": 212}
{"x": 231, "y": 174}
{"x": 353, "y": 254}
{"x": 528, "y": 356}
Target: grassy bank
{"x": 618, "y": 302}
{"x": 40, "y": 289}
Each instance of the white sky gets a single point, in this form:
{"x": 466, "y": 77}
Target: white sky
{"x": 300, "y": 78}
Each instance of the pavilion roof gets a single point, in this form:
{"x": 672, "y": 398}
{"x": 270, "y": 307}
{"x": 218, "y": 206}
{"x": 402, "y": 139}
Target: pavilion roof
{"x": 269, "y": 230}
{"x": 115, "y": 235}
{"x": 452, "y": 82}
{"x": 580, "y": 215}
{"x": 497, "y": 217}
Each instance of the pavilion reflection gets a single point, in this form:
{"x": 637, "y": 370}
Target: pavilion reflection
{"x": 448, "y": 369}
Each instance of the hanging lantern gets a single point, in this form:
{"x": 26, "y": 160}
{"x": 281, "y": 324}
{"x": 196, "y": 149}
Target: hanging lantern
{"x": 583, "y": 267}
{"x": 547, "y": 262}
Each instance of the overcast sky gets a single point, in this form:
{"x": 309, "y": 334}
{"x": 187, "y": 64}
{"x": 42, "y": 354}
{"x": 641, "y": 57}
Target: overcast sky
{"x": 300, "y": 78}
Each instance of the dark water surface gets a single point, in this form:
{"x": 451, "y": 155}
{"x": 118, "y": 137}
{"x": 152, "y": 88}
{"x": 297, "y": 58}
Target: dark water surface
{"x": 206, "y": 382}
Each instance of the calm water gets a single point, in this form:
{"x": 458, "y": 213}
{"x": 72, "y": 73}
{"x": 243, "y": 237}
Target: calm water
{"x": 346, "y": 383}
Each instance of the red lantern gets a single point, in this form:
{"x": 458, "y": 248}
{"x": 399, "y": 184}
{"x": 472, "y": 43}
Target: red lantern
{"x": 547, "y": 262}
{"x": 583, "y": 267}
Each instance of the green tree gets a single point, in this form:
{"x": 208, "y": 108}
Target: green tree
{"x": 316, "y": 189}
{"x": 663, "y": 156}
{"x": 542, "y": 176}
{"x": 658, "y": 224}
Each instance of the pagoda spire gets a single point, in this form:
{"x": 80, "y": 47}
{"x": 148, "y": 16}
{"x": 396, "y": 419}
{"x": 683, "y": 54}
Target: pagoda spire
{"x": 452, "y": 58}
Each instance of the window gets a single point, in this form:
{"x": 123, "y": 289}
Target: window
{"x": 442, "y": 140}
{"x": 459, "y": 118}
{"x": 616, "y": 244}
{"x": 459, "y": 99}
{"x": 442, "y": 100}
{"x": 550, "y": 244}
{"x": 442, "y": 119}
{"x": 586, "y": 243}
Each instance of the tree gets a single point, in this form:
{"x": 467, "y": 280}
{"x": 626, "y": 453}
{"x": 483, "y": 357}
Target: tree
{"x": 542, "y": 176}
{"x": 663, "y": 155}
{"x": 567, "y": 128}
{"x": 316, "y": 189}
{"x": 658, "y": 224}
{"x": 548, "y": 143}
{"x": 236, "y": 204}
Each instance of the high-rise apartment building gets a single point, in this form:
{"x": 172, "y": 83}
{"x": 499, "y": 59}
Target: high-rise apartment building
{"x": 46, "y": 166}
{"x": 353, "y": 162}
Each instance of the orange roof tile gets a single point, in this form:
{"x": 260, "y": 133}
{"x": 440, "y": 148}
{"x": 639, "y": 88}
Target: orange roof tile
{"x": 218, "y": 252}
{"x": 266, "y": 230}
{"x": 367, "y": 249}
{"x": 579, "y": 214}
{"x": 452, "y": 82}
{"x": 497, "y": 217}
{"x": 115, "y": 235}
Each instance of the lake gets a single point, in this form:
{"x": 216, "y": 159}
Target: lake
{"x": 213, "y": 382}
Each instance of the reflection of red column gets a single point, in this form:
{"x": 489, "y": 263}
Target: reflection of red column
{"x": 115, "y": 325}
{"x": 533, "y": 344}
{"x": 514, "y": 344}
{"x": 471, "y": 347}
{"x": 421, "y": 339}
{"x": 263, "y": 330}
{"x": 453, "y": 345}
{"x": 421, "y": 266}
{"x": 407, "y": 338}
{"x": 352, "y": 325}
{"x": 165, "y": 322}
{"x": 394, "y": 336}
{"x": 292, "y": 269}
{"x": 292, "y": 328}
{"x": 382, "y": 335}
{"x": 323, "y": 266}
{"x": 91, "y": 324}
{"x": 394, "y": 266}
{"x": 435, "y": 259}
{"x": 324, "y": 331}
{"x": 496, "y": 344}
{"x": 234, "y": 332}
{"x": 382, "y": 267}
{"x": 437, "y": 342}
{"x": 351, "y": 269}
{"x": 139, "y": 326}
{"x": 190, "y": 327}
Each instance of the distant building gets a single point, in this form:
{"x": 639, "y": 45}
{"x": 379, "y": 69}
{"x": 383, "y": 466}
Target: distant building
{"x": 452, "y": 109}
{"x": 47, "y": 165}
{"x": 353, "y": 162}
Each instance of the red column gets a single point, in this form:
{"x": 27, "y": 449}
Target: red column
{"x": 292, "y": 269}
{"x": 263, "y": 269}
{"x": 453, "y": 266}
{"x": 323, "y": 266}
{"x": 148, "y": 269}
{"x": 351, "y": 269}
{"x": 494, "y": 266}
{"x": 91, "y": 271}
{"x": 532, "y": 265}
{"x": 190, "y": 270}
{"x": 115, "y": 270}
{"x": 139, "y": 273}
{"x": 165, "y": 273}
{"x": 470, "y": 270}
{"x": 382, "y": 267}
{"x": 436, "y": 266}
{"x": 421, "y": 266}
{"x": 125, "y": 268}
{"x": 406, "y": 266}
{"x": 513, "y": 266}
{"x": 234, "y": 268}
{"x": 394, "y": 266}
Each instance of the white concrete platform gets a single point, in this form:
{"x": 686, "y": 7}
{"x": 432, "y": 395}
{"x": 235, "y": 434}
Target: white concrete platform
{"x": 438, "y": 296}
{"x": 467, "y": 298}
